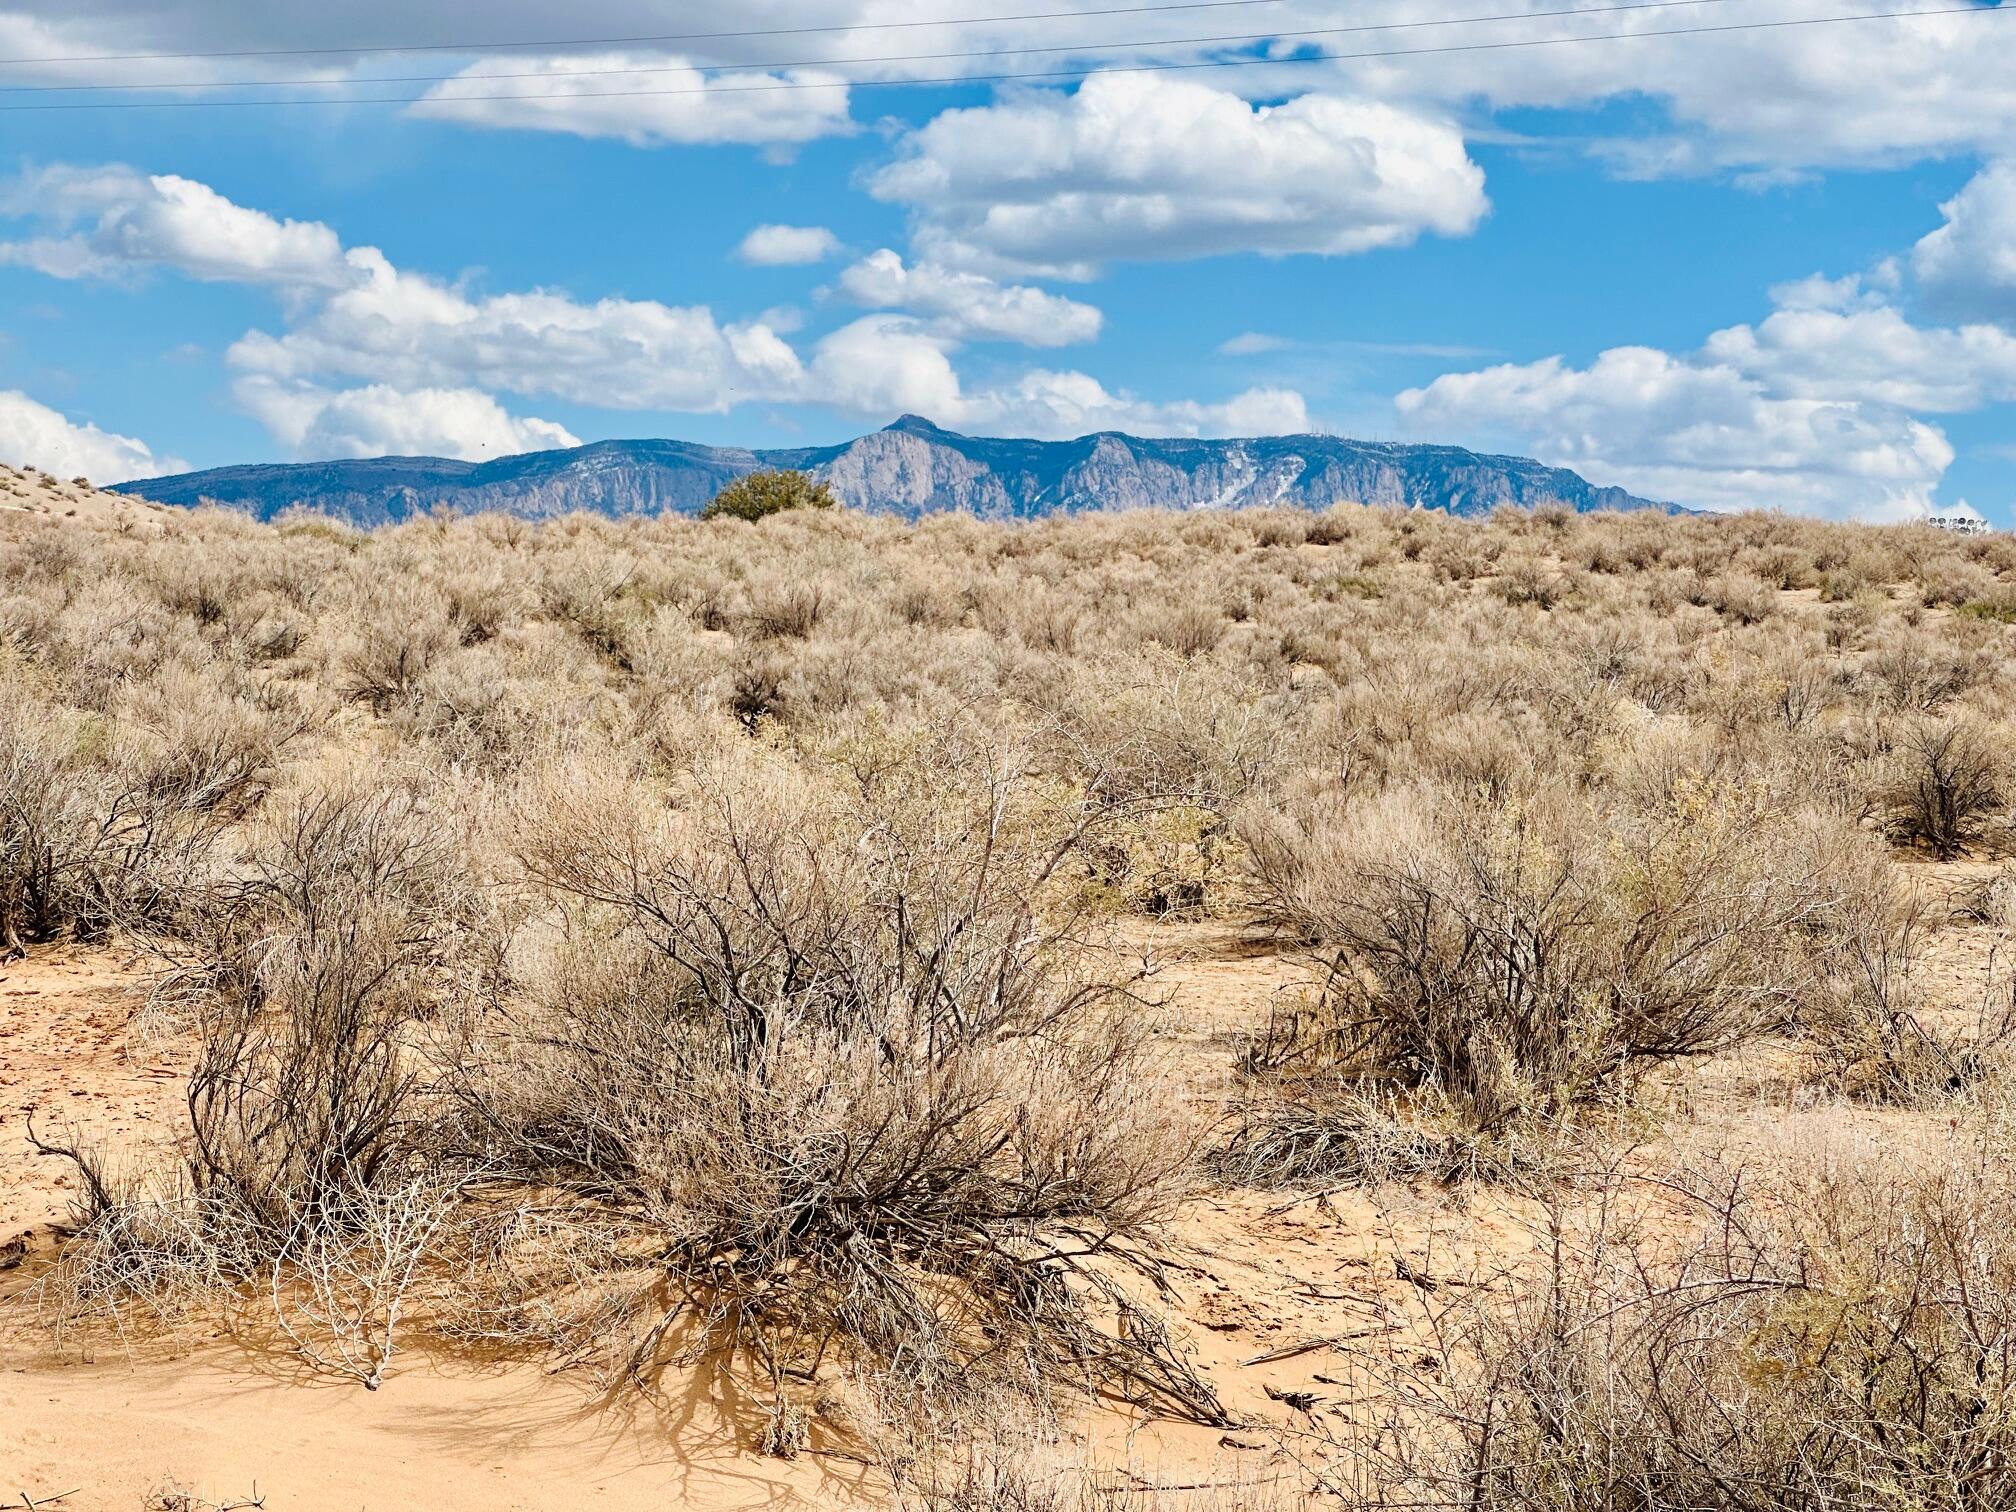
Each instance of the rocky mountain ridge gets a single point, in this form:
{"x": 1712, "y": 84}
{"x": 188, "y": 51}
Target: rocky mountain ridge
{"x": 912, "y": 467}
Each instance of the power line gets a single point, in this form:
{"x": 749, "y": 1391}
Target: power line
{"x": 857, "y": 62}
{"x": 1055, "y": 75}
{"x": 714, "y": 36}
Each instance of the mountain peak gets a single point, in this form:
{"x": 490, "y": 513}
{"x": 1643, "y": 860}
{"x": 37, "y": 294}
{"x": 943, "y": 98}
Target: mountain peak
{"x": 916, "y": 425}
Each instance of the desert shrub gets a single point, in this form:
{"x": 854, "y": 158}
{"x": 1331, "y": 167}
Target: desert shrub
{"x": 1527, "y": 959}
{"x": 1799, "y": 687}
{"x": 312, "y": 1162}
{"x": 758, "y": 495}
{"x": 1948, "y": 776}
{"x": 786, "y": 611}
{"x": 1995, "y": 605}
{"x": 1530, "y": 579}
{"x": 344, "y": 1270}
{"x": 687, "y": 981}
{"x": 1957, "y": 582}
{"x": 1188, "y": 629}
{"x": 89, "y": 843}
{"x": 1864, "y": 1013}
{"x": 1991, "y": 900}
{"x": 106, "y": 635}
{"x": 318, "y": 973}
{"x": 148, "y": 1250}
{"x": 1743, "y": 598}
{"x": 1331, "y": 528}
{"x": 865, "y": 1099}
{"x": 1844, "y": 1340}
{"x": 203, "y": 748}
{"x": 1168, "y": 862}
{"x": 1170, "y": 746}
{"x": 390, "y": 652}
{"x": 1782, "y": 566}
{"x": 484, "y": 601}
{"x": 1359, "y": 585}
{"x": 1913, "y": 672}
{"x": 1280, "y": 527}
{"x": 1330, "y": 1130}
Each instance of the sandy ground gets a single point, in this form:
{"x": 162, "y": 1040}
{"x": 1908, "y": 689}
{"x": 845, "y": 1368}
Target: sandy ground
{"x": 227, "y": 1418}
{"x": 435, "y": 1437}
{"x": 24, "y": 491}
{"x": 1269, "y": 1278}
{"x": 70, "y": 1054}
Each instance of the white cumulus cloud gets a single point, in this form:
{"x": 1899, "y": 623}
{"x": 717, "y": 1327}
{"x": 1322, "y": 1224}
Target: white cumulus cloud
{"x": 1141, "y": 166}
{"x": 646, "y": 99}
{"x": 379, "y": 420}
{"x": 893, "y": 363}
{"x": 787, "y": 246}
{"x": 1818, "y": 407}
{"x": 412, "y": 331}
{"x": 111, "y": 221}
{"x": 1761, "y": 103}
{"x": 887, "y": 364}
{"x": 1872, "y": 354}
{"x": 969, "y": 306}
{"x": 1767, "y": 103}
{"x": 372, "y": 358}
{"x": 34, "y": 435}
{"x": 1071, "y": 404}
{"x": 1969, "y": 263}
{"x": 1700, "y": 433}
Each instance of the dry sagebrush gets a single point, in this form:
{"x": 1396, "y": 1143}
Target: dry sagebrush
{"x": 852, "y": 1091}
{"x": 693, "y": 935}
{"x": 1838, "y": 1334}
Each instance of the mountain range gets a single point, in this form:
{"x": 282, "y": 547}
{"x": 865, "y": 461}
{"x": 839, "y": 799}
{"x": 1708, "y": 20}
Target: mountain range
{"x": 912, "y": 467}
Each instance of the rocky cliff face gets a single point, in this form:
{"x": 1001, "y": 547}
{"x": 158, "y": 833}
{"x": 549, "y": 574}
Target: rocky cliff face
{"x": 913, "y": 474}
{"x": 912, "y": 468}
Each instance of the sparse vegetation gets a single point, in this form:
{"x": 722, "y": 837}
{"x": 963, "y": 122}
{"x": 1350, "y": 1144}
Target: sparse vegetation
{"x": 659, "y": 945}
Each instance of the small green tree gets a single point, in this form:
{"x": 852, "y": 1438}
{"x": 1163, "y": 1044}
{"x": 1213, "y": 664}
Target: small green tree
{"x": 758, "y": 495}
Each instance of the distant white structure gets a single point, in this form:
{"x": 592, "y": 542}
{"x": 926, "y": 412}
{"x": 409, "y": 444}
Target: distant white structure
{"x": 1962, "y": 519}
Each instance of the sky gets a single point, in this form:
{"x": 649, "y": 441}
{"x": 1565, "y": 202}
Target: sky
{"x": 1772, "y": 267}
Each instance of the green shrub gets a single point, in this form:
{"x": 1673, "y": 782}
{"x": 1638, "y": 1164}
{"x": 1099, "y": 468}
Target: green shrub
{"x": 758, "y": 495}
{"x": 1999, "y": 610}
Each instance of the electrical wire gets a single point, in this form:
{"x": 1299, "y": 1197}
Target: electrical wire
{"x": 713, "y": 36}
{"x": 1053, "y": 75}
{"x": 686, "y": 65}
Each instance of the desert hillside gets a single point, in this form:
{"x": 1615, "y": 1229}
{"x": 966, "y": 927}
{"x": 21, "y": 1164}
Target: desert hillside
{"x": 29, "y": 491}
{"x": 1137, "y": 1012}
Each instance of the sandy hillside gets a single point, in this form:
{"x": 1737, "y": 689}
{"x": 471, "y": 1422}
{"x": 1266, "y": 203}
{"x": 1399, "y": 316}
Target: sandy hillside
{"x": 29, "y": 491}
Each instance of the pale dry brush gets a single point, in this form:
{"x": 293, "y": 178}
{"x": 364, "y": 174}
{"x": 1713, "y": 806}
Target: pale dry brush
{"x": 1526, "y": 958}
{"x": 1557, "y": 797}
{"x": 859, "y": 1100}
{"x": 1836, "y": 1333}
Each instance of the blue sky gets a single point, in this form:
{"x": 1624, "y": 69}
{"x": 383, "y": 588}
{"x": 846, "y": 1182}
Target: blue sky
{"x": 1774, "y": 268}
